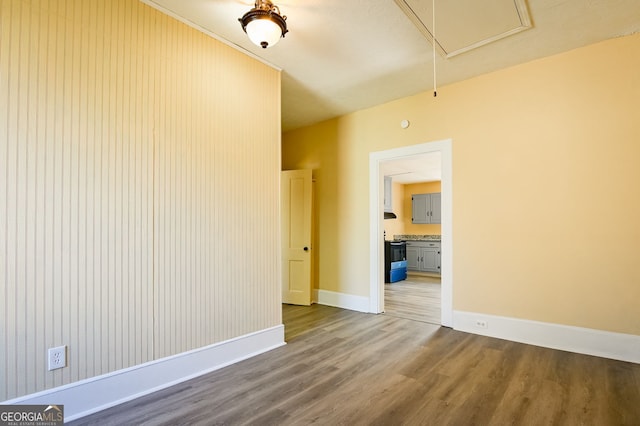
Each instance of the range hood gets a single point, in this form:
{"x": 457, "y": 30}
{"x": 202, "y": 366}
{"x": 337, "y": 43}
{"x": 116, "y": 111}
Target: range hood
{"x": 389, "y": 215}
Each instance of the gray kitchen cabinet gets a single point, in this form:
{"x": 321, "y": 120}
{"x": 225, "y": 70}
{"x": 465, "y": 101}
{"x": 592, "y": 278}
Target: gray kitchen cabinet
{"x": 423, "y": 256}
{"x": 388, "y": 200}
{"x": 436, "y": 208}
{"x": 430, "y": 258}
{"x": 425, "y": 208}
{"x": 413, "y": 257}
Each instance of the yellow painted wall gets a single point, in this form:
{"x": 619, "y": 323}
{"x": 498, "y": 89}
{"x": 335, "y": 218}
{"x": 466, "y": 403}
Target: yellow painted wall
{"x": 133, "y": 190}
{"x": 396, "y": 226}
{"x": 546, "y": 186}
{"x": 416, "y": 228}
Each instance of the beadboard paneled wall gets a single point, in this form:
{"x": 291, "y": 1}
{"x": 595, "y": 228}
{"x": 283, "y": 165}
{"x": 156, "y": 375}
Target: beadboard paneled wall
{"x": 138, "y": 190}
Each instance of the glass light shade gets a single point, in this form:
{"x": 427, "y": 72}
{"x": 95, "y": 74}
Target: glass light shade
{"x": 263, "y": 32}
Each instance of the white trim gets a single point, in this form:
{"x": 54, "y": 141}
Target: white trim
{"x": 342, "y": 300}
{"x": 376, "y": 227}
{"x": 156, "y": 6}
{"x": 98, "y": 393}
{"x": 605, "y": 344}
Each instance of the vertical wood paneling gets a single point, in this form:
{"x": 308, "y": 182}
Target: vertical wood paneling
{"x": 215, "y": 219}
{"x": 8, "y": 187}
{"x": 138, "y": 189}
{"x": 5, "y": 31}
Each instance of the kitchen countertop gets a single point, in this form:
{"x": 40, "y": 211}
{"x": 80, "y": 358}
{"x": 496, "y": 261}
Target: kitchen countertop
{"x": 417, "y": 237}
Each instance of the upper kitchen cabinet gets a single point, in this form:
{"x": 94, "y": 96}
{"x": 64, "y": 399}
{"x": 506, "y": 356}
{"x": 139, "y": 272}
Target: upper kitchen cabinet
{"x": 425, "y": 208}
{"x": 388, "y": 185}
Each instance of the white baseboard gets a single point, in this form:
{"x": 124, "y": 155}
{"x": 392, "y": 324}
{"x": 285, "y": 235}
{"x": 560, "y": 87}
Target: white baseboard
{"x": 98, "y": 393}
{"x": 605, "y": 344}
{"x": 342, "y": 300}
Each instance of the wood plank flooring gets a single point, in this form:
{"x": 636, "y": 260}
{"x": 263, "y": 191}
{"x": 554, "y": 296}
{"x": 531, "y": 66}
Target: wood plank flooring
{"x": 347, "y": 368}
{"x": 416, "y": 298}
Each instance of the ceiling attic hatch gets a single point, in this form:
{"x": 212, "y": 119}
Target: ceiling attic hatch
{"x": 464, "y": 25}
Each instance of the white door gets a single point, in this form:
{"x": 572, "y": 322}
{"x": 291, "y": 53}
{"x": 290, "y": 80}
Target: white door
{"x": 296, "y": 236}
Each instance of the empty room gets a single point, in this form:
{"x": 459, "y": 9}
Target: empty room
{"x": 329, "y": 212}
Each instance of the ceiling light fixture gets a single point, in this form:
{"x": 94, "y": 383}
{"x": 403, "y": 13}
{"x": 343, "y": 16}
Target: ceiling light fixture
{"x": 263, "y": 24}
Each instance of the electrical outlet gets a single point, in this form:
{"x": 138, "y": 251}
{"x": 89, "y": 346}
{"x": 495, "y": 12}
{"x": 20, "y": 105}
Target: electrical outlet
{"x": 57, "y": 357}
{"x": 481, "y": 324}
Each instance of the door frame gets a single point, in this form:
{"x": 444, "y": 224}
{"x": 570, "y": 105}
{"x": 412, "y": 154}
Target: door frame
{"x": 376, "y": 227}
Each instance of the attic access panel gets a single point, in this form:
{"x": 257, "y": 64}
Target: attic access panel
{"x": 463, "y": 25}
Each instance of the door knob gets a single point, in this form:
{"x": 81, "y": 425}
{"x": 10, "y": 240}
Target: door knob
{"x": 306, "y": 249}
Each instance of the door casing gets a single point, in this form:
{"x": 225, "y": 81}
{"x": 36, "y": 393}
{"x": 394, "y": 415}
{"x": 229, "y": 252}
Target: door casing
{"x": 376, "y": 228}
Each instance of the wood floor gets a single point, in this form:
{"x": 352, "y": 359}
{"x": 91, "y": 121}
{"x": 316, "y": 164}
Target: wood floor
{"x": 416, "y": 298}
{"x": 347, "y": 368}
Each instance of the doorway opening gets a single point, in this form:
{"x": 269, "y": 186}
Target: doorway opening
{"x": 376, "y": 250}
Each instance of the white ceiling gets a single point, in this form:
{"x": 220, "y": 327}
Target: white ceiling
{"x": 414, "y": 169}
{"x": 492, "y": 20}
{"x": 344, "y": 55}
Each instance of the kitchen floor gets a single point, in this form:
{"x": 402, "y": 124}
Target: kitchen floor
{"x": 416, "y": 298}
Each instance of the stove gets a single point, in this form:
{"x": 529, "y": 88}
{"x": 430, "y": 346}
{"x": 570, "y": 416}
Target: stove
{"x": 395, "y": 261}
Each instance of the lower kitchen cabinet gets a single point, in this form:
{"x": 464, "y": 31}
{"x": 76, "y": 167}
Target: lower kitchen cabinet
{"x": 430, "y": 259}
{"x": 413, "y": 257}
{"x": 423, "y": 256}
